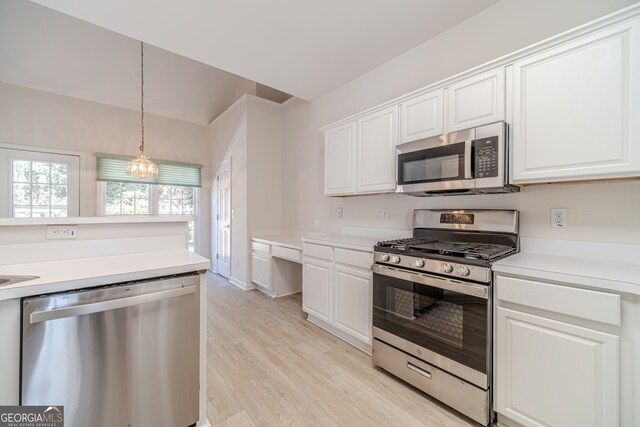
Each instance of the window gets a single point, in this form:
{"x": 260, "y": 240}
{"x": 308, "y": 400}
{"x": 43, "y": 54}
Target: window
{"x": 38, "y": 184}
{"x": 125, "y": 198}
{"x": 173, "y": 192}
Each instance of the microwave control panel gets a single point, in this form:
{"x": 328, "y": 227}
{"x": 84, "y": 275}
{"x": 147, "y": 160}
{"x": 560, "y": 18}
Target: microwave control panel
{"x": 486, "y": 157}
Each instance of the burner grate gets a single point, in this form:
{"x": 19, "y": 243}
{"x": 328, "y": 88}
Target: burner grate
{"x": 485, "y": 251}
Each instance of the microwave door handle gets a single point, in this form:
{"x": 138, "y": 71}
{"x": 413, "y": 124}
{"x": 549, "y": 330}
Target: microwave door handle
{"x": 468, "y": 153}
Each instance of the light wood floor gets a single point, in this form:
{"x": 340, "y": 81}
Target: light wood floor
{"x": 269, "y": 366}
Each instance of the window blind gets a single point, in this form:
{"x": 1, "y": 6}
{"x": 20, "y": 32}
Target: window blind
{"x": 110, "y": 167}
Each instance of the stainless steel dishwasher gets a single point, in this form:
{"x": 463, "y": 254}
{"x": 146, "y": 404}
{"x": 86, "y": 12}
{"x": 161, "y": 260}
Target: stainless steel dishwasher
{"x": 123, "y": 355}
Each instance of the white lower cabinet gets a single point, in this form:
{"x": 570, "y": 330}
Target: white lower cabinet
{"x": 276, "y": 269}
{"x": 337, "y": 292}
{"x": 316, "y": 288}
{"x": 553, "y": 373}
{"x": 353, "y": 301}
{"x": 261, "y": 269}
{"x": 553, "y": 369}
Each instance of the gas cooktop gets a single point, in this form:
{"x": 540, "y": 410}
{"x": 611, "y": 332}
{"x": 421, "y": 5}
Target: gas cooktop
{"x": 425, "y": 247}
{"x": 455, "y": 243}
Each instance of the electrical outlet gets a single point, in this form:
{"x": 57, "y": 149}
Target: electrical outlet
{"x": 559, "y": 217}
{"x": 62, "y": 232}
{"x": 316, "y": 223}
{"x": 339, "y": 213}
{"x": 385, "y": 214}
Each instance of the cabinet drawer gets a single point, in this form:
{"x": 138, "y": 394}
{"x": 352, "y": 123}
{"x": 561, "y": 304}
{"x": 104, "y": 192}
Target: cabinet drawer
{"x": 318, "y": 251}
{"x": 260, "y": 247}
{"x": 351, "y": 257}
{"x": 286, "y": 253}
{"x": 582, "y": 303}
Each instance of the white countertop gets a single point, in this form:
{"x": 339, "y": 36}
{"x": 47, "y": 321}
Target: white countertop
{"x": 289, "y": 241}
{"x": 596, "y": 265}
{"x": 56, "y": 276}
{"x": 127, "y": 219}
{"x": 348, "y": 241}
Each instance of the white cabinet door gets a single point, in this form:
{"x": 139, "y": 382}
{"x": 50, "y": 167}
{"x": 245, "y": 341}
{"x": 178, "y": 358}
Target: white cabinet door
{"x": 476, "y": 101}
{"x": 340, "y": 160}
{"x": 551, "y": 373}
{"x": 353, "y": 301}
{"x": 576, "y": 109}
{"x": 316, "y": 288}
{"x": 422, "y": 116}
{"x": 376, "y": 161}
{"x": 261, "y": 269}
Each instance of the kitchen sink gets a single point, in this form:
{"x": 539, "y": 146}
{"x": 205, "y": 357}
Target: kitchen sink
{"x": 11, "y": 280}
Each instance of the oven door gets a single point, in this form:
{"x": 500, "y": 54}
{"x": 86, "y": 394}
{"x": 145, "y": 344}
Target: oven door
{"x": 442, "y": 321}
{"x": 432, "y": 165}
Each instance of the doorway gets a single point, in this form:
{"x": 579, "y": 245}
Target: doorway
{"x": 223, "y": 219}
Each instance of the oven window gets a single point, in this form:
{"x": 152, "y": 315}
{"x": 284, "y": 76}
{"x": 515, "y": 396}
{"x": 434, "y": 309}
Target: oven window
{"x": 448, "y": 323}
{"x": 445, "y": 163}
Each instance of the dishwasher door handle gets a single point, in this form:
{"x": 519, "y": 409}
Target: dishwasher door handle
{"x": 97, "y": 307}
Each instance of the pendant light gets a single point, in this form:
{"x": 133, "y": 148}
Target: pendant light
{"x": 141, "y": 166}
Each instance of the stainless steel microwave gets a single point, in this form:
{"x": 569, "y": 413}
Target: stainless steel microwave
{"x": 472, "y": 161}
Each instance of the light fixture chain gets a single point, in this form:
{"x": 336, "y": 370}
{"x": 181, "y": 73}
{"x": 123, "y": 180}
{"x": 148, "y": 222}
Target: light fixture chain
{"x": 142, "y": 96}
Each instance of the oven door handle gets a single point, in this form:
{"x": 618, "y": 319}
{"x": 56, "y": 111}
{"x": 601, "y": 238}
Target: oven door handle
{"x": 480, "y": 291}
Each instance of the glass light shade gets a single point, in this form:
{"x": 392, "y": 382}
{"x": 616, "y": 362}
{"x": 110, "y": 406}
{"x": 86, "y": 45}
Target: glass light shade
{"x": 142, "y": 167}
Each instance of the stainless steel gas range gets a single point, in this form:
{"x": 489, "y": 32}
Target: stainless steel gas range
{"x": 432, "y": 309}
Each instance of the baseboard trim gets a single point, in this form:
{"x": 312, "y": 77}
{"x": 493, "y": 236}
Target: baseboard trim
{"x": 360, "y": 345}
{"x": 239, "y": 284}
{"x": 266, "y": 291}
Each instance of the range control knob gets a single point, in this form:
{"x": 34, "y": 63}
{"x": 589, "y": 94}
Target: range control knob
{"x": 419, "y": 263}
{"x": 384, "y": 257}
{"x": 395, "y": 259}
{"x": 463, "y": 270}
{"x": 446, "y": 267}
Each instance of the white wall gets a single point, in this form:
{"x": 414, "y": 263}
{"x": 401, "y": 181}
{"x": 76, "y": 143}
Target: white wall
{"x": 229, "y": 141}
{"x": 34, "y": 118}
{"x": 602, "y": 211}
{"x": 265, "y": 164}
{"x": 249, "y": 133}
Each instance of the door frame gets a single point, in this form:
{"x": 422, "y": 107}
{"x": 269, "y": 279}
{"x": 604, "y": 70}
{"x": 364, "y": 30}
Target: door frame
{"x": 216, "y": 219}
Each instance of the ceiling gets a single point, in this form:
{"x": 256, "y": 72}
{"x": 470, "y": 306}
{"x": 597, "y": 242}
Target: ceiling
{"x": 50, "y": 51}
{"x": 305, "y": 48}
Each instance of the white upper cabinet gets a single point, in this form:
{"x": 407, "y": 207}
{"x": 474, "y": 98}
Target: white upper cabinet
{"x": 476, "y": 101}
{"x": 377, "y": 139}
{"x": 339, "y": 160}
{"x": 422, "y": 116}
{"x": 576, "y": 108}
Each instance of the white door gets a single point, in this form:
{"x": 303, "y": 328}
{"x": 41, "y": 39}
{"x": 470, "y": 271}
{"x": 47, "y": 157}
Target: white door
{"x": 552, "y": 373}
{"x": 39, "y": 184}
{"x": 377, "y": 140}
{"x": 353, "y": 301}
{"x": 223, "y": 216}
